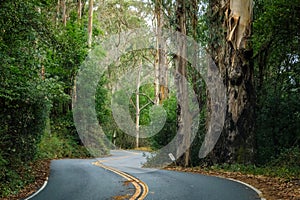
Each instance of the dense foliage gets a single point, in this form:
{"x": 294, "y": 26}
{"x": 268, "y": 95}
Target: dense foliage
{"x": 38, "y": 65}
{"x": 276, "y": 54}
{"x": 25, "y": 103}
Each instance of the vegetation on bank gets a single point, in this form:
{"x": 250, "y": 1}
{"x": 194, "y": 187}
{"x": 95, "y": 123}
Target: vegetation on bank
{"x": 39, "y": 59}
{"x": 286, "y": 166}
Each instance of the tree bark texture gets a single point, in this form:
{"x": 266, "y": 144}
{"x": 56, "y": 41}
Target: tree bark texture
{"x": 184, "y": 119}
{"x": 161, "y": 86}
{"x": 230, "y": 48}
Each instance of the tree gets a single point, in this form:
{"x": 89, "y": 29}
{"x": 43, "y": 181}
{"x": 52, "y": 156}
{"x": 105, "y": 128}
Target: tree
{"x": 64, "y": 12}
{"x": 232, "y": 54}
{"x": 161, "y": 63}
{"x": 184, "y": 119}
{"x": 116, "y": 17}
{"x": 137, "y": 106}
{"x": 79, "y": 9}
{"x": 90, "y": 23}
{"x": 26, "y": 94}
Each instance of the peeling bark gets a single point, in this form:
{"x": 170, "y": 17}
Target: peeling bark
{"x": 239, "y": 17}
{"x": 233, "y": 57}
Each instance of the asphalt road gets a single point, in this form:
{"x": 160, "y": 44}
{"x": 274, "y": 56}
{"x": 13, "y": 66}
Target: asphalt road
{"x": 171, "y": 185}
{"x": 79, "y": 179}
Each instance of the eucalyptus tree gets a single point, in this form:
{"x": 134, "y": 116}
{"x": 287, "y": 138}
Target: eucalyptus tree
{"x": 114, "y": 18}
{"x": 161, "y": 59}
{"x": 230, "y": 46}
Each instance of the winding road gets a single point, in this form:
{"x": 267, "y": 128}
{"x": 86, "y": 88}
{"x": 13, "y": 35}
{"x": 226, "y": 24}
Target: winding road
{"x": 121, "y": 176}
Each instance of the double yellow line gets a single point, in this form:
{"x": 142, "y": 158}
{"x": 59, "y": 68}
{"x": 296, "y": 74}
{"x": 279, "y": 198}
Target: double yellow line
{"x": 141, "y": 189}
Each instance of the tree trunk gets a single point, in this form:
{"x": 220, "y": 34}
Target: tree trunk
{"x": 184, "y": 118}
{"x": 79, "y": 14}
{"x": 197, "y": 87}
{"x": 232, "y": 54}
{"x": 90, "y": 23}
{"x": 64, "y": 12}
{"x": 137, "y": 107}
{"x": 161, "y": 85}
{"x": 57, "y": 12}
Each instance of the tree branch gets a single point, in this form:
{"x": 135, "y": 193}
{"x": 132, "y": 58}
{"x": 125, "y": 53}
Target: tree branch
{"x": 145, "y": 95}
{"x": 145, "y": 106}
{"x": 132, "y": 103}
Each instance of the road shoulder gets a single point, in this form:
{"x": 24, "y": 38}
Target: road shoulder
{"x": 272, "y": 188}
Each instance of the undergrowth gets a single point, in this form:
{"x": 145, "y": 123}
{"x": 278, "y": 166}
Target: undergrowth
{"x": 287, "y": 166}
{"x": 56, "y": 142}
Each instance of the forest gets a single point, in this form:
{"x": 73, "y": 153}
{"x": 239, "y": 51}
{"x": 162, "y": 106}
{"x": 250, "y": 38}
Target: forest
{"x": 49, "y": 50}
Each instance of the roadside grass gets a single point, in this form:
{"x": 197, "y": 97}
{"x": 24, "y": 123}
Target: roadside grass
{"x": 286, "y": 165}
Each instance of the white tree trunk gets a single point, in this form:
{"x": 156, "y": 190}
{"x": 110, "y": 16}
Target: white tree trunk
{"x": 137, "y": 106}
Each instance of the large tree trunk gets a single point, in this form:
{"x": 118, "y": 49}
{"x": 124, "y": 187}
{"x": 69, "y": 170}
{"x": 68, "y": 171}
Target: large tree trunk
{"x": 184, "y": 119}
{"x": 232, "y": 54}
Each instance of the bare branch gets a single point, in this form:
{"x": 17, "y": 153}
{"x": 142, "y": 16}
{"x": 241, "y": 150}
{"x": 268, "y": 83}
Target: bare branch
{"x": 145, "y": 95}
{"x": 145, "y": 106}
{"x": 132, "y": 103}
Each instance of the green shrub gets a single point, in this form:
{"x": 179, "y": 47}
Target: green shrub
{"x": 60, "y": 141}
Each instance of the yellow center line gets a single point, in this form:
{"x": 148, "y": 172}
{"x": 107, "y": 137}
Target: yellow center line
{"x": 141, "y": 188}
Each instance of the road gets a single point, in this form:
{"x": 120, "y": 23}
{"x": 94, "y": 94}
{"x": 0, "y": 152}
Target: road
{"x": 91, "y": 179}
{"x": 79, "y": 179}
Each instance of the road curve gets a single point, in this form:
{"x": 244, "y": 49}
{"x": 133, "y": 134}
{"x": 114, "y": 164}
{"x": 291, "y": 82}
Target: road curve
{"x": 104, "y": 178}
{"x": 172, "y": 185}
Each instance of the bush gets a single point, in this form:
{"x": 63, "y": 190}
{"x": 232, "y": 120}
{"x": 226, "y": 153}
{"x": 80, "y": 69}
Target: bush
{"x": 60, "y": 140}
